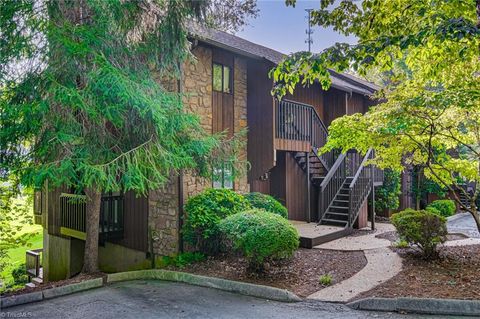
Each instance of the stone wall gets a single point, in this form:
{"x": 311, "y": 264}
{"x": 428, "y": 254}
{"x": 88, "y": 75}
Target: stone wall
{"x": 163, "y": 218}
{"x": 197, "y": 89}
{"x": 240, "y": 113}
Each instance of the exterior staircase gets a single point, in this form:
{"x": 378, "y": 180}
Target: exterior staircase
{"x": 315, "y": 167}
{"x": 337, "y": 212}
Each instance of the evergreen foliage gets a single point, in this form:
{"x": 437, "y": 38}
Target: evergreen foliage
{"x": 260, "y": 236}
{"x": 204, "y": 212}
{"x": 266, "y": 202}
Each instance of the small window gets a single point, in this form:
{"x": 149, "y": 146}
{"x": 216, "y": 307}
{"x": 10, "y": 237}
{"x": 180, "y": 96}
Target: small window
{"x": 223, "y": 177}
{"x": 221, "y": 78}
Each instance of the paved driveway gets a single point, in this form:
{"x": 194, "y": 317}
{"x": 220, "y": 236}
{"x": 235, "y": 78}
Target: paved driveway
{"x": 463, "y": 223}
{"x": 157, "y": 299}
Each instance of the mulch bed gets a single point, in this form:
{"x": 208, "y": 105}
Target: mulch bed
{"x": 299, "y": 275}
{"x": 53, "y": 284}
{"x": 454, "y": 275}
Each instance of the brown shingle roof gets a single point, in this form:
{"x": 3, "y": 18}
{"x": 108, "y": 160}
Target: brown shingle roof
{"x": 230, "y": 42}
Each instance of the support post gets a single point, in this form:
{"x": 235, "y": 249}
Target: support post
{"x": 307, "y": 154}
{"x": 373, "y": 195}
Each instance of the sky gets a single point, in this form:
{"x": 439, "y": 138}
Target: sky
{"x": 283, "y": 28}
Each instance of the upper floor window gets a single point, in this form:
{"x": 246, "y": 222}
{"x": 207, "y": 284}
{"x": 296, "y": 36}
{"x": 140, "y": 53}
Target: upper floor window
{"x": 222, "y": 81}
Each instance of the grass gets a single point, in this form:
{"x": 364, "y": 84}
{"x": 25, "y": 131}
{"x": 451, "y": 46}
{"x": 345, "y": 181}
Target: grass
{"x": 17, "y": 255}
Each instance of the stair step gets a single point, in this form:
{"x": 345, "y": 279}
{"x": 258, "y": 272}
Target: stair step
{"x": 30, "y": 285}
{"x": 37, "y": 281}
{"x": 337, "y": 214}
{"x": 339, "y": 207}
{"x": 333, "y": 222}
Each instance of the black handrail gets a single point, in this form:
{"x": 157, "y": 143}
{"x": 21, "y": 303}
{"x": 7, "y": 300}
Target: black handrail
{"x": 360, "y": 187}
{"x": 111, "y": 223}
{"x": 332, "y": 184}
{"x": 301, "y": 122}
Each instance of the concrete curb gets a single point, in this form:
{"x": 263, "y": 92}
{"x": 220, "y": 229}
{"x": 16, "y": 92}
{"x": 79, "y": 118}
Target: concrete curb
{"x": 452, "y": 307}
{"x": 70, "y": 289}
{"x": 210, "y": 282}
{"x": 16, "y": 300}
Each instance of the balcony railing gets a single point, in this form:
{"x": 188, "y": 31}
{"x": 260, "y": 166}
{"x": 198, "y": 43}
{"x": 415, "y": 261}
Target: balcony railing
{"x": 73, "y": 216}
{"x": 300, "y": 122}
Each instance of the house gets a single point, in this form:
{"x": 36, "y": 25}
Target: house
{"x": 229, "y": 88}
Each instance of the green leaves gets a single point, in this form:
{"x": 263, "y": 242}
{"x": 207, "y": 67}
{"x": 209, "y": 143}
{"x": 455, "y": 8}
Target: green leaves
{"x": 91, "y": 108}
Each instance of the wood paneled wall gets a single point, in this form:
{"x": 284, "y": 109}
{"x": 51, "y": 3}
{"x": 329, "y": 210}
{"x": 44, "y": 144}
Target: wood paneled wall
{"x": 355, "y": 104}
{"x": 260, "y": 120}
{"x": 312, "y": 95}
{"x": 334, "y": 105}
{"x": 135, "y": 234}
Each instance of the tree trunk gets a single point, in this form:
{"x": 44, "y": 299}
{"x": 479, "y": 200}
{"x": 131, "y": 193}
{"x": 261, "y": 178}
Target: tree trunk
{"x": 92, "y": 219}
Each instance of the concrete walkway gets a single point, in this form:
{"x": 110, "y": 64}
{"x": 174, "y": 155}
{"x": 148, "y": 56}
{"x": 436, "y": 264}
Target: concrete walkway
{"x": 463, "y": 223}
{"x": 365, "y": 242}
{"x": 382, "y": 264}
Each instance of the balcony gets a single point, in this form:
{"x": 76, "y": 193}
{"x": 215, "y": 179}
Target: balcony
{"x": 73, "y": 216}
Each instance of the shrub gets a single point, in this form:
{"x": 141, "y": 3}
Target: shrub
{"x": 401, "y": 244}
{"x": 203, "y": 213}
{"x": 180, "y": 260}
{"x": 19, "y": 275}
{"x": 387, "y": 195}
{"x": 260, "y": 236}
{"x": 325, "y": 280}
{"x": 266, "y": 202}
{"x": 446, "y": 207}
{"x": 421, "y": 228}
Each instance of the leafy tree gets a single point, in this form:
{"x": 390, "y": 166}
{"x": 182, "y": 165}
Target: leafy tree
{"x": 230, "y": 15}
{"x": 83, "y": 102}
{"x": 430, "y": 116}
{"x": 387, "y": 195}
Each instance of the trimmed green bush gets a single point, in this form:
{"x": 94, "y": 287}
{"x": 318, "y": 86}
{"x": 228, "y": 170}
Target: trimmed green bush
{"x": 421, "y": 228}
{"x": 260, "y": 236}
{"x": 203, "y": 213}
{"x": 446, "y": 207}
{"x": 266, "y": 202}
{"x": 19, "y": 275}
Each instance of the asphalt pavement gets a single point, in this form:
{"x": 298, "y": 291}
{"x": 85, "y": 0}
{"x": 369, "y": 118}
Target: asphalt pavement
{"x": 160, "y": 299}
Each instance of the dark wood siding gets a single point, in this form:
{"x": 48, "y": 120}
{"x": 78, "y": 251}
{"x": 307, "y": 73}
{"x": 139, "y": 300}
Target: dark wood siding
{"x": 135, "y": 234}
{"x": 296, "y": 189}
{"x": 312, "y": 95}
{"x": 260, "y": 119}
{"x": 222, "y": 103}
{"x": 334, "y": 105}
{"x": 356, "y": 104}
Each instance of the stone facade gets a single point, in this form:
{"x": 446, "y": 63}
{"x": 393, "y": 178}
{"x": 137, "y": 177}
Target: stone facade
{"x": 197, "y": 89}
{"x": 163, "y": 218}
{"x": 240, "y": 113}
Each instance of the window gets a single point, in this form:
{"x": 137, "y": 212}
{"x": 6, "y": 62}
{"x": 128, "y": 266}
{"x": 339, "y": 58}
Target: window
{"x": 222, "y": 78}
{"x": 223, "y": 177}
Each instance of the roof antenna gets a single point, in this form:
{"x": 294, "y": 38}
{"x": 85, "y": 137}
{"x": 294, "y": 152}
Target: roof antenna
{"x": 309, "y": 30}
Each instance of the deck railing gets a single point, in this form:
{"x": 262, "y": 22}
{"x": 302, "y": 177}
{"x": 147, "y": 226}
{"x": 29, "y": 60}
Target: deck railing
{"x": 301, "y": 122}
{"x": 33, "y": 264}
{"x": 73, "y": 216}
{"x": 360, "y": 187}
{"x": 332, "y": 184}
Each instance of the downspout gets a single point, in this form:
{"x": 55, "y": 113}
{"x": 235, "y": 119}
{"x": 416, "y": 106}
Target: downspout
{"x": 180, "y": 180}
